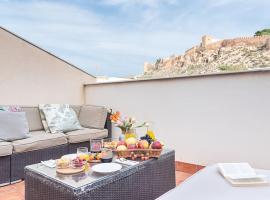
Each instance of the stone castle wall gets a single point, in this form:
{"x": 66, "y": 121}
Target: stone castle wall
{"x": 248, "y": 41}
{"x": 207, "y": 44}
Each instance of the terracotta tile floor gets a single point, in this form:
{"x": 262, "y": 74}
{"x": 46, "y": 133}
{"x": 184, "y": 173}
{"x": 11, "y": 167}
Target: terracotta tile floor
{"x": 12, "y": 192}
{"x": 16, "y": 191}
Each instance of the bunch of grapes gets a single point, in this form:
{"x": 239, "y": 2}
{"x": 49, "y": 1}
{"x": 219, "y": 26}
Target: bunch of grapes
{"x": 147, "y": 138}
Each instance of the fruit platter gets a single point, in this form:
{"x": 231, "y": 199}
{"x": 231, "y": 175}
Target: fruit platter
{"x": 70, "y": 166}
{"x": 144, "y": 148}
{"x": 91, "y": 157}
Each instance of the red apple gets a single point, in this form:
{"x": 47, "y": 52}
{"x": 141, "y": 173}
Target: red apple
{"x": 156, "y": 145}
{"x": 121, "y": 143}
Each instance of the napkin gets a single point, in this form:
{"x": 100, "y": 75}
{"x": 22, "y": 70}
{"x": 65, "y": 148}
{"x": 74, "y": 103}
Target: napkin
{"x": 49, "y": 163}
{"x": 126, "y": 162}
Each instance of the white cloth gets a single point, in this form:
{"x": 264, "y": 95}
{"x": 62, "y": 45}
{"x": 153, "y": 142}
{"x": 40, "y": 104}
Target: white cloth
{"x": 208, "y": 184}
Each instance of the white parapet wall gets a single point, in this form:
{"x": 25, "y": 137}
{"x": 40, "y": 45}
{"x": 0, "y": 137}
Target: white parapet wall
{"x": 206, "y": 119}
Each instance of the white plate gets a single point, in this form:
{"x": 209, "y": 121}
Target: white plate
{"x": 106, "y": 168}
{"x": 69, "y": 156}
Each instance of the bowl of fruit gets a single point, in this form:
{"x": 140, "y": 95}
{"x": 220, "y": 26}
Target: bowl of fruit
{"x": 144, "y": 148}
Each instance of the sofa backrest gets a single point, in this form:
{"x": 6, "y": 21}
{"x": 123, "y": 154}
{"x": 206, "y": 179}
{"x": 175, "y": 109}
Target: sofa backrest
{"x": 33, "y": 118}
{"x": 76, "y": 108}
{"x": 90, "y": 116}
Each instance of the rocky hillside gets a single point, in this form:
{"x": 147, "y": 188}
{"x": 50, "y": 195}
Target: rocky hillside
{"x": 213, "y": 56}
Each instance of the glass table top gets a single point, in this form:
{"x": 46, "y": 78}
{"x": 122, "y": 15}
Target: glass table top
{"x": 81, "y": 179}
{"x": 74, "y": 180}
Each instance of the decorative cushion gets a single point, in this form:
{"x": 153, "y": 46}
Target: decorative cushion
{"x": 11, "y": 108}
{"x": 33, "y": 118}
{"x": 43, "y": 119}
{"x": 93, "y": 116}
{"x": 39, "y": 140}
{"x": 86, "y": 134}
{"x": 5, "y": 148}
{"x": 60, "y": 117}
{"x": 13, "y": 126}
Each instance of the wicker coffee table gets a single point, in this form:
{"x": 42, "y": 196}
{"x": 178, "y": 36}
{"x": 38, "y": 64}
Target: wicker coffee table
{"x": 146, "y": 180}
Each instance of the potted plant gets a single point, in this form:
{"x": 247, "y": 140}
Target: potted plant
{"x": 127, "y": 125}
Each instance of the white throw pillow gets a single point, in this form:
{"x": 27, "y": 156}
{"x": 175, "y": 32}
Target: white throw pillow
{"x": 13, "y": 126}
{"x": 60, "y": 117}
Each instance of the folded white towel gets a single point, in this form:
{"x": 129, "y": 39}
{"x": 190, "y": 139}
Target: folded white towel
{"x": 49, "y": 163}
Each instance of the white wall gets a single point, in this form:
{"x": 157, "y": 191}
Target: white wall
{"x": 206, "y": 119}
{"x": 30, "y": 76}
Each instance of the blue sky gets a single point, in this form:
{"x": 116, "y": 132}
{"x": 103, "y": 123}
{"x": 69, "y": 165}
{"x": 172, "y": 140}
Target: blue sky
{"x": 115, "y": 37}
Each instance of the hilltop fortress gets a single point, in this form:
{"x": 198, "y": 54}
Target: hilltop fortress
{"x": 213, "y": 55}
{"x": 210, "y": 43}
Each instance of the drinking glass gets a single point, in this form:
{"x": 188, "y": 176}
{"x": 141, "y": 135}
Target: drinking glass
{"x": 95, "y": 145}
{"x": 82, "y": 151}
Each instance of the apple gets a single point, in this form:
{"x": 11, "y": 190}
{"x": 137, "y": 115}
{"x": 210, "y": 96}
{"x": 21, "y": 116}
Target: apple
{"x": 121, "y": 148}
{"x": 121, "y": 143}
{"x": 132, "y": 146}
{"x": 143, "y": 144}
{"x": 131, "y": 140}
{"x": 156, "y": 145}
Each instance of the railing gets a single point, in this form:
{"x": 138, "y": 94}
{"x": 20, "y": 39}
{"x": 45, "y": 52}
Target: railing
{"x": 206, "y": 119}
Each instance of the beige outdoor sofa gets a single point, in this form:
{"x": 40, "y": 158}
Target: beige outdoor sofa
{"x": 14, "y": 156}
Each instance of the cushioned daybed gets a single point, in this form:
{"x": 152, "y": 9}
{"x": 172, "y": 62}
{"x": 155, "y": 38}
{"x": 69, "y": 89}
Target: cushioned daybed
{"x": 208, "y": 184}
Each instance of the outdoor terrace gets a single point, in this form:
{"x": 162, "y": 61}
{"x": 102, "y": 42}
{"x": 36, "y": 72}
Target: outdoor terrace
{"x": 207, "y": 119}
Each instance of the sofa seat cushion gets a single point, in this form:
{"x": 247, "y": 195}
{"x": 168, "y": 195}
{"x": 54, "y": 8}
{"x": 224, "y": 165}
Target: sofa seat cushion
{"x": 86, "y": 134}
{"x": 39, "y": 140}
{"x": 5, "y": 148}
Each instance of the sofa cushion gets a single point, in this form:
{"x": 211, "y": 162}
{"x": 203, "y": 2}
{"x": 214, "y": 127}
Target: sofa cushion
{"x": 13, "y": 126}
{"x": 77, "y": 109}
{"x": 39, "y": 140}
{"x": 93, "y": 116}
{"x": 209, "y": 184}
{"x": 5, "y": 148}
{"x": 33, "y": 118}
{"x": 86, "y": 134}
{"x": 11, "y": 108}
{"x": 60, "y": 117}
{"x": 43, "y": 120}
